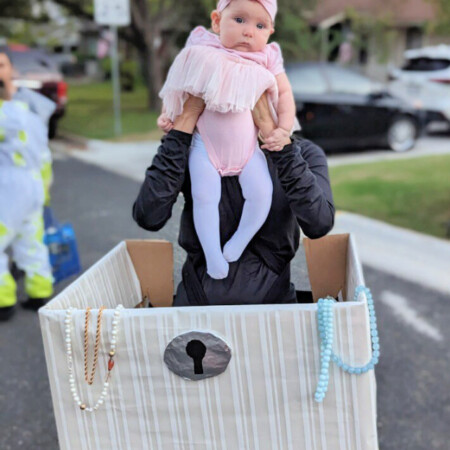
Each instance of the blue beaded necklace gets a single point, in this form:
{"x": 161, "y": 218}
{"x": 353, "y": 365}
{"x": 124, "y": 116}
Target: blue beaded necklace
{"x": 326, "y": 333}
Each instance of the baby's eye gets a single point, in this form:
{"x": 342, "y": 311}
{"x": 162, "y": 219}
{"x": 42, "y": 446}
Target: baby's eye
{"x": 261, "y": 26}
{"x": 239, "y": 19}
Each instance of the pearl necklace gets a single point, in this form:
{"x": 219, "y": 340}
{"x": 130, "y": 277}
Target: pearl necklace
{"x": 326, "y": 333}
{"x": 112, "y": 352}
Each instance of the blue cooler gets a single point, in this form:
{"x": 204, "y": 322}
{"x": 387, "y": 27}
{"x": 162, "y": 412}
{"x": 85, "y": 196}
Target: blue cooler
{"x": 62, "y": 245}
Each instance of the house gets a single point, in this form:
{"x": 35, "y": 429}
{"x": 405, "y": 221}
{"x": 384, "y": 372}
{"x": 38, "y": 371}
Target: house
{"x": 372, "y": 34}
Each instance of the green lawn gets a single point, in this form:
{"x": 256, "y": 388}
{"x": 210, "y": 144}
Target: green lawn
{"x": 411, "y": 193}
{"x": 90, "y": 111}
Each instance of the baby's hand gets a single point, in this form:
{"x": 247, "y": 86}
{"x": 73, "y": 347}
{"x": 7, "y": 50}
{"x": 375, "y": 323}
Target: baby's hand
{"x": 164, "y": 123}
{"x": 276, "y": 140}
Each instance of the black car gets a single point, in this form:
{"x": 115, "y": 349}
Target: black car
{"x": 339, "y": 109}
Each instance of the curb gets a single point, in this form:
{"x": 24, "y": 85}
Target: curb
{"x": 408, "y": 254}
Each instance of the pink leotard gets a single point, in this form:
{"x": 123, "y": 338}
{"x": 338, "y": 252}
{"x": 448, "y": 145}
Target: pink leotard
{"x": 230, "y": 82}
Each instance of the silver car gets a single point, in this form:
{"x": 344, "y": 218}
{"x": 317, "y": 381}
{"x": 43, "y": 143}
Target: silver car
{"x": 425, "y": 64}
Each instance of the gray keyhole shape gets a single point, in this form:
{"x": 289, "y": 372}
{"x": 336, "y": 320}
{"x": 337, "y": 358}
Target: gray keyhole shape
{"x": 196, "y": 350}
{"x": 213, "y": 362}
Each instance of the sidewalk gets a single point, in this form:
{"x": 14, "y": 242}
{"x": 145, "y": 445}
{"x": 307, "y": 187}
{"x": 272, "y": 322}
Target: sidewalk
{"x": 407, "y": 254}
{"x": 111, "y": 155}
{"x": 413, "y": 256}
{"x": 127, "y": 159}
{"x": 425, "y": 146}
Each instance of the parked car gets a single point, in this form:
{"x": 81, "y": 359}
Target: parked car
{"x": 36, "y": 70}
{"x": 425, "y": 64}
{"x": 338, "y": 108}
{"x": 424, "y": 81}
{"x": 433, "y": 98}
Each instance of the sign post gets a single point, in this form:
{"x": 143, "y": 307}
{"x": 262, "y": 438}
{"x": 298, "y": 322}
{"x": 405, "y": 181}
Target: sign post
{"x": 114, "y": 13}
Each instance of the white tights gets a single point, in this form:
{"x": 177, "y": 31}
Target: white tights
{"x": 257, "y": 190}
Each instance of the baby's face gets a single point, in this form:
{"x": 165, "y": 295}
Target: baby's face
{"x": 243, "y": 25}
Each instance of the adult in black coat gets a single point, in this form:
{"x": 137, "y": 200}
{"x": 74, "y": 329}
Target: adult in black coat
{"x": 301, "y": 199}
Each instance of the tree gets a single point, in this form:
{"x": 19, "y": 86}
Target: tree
{"x": 156, "y": 27}
{"x": 19, "y": 9}
{"x": 442, "y": 24}
{"x": 14, "y": 9}
{"x": 292, "y": 31}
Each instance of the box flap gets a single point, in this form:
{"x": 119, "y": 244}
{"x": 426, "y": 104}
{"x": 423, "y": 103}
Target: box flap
{"x": 327, "y": 263}
{"x": 153, "y": 263}
{"x": 355, "y": 276}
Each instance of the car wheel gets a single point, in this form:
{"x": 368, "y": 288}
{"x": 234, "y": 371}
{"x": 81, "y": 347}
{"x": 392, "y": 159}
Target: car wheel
{"x": 402, "y": 134}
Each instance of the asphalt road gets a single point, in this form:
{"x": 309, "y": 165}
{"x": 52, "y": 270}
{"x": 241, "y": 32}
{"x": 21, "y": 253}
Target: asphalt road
{"x": 412, "y": 376}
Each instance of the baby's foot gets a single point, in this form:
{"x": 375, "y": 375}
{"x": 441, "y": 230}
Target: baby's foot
{"x": 232, "y": 250}
{"x": 217, "y": 268}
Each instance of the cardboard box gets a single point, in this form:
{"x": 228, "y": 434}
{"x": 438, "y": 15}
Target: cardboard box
{"x": 265, "y": 397}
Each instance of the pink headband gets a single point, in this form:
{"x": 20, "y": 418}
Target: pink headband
{"x": 269, "y": 5}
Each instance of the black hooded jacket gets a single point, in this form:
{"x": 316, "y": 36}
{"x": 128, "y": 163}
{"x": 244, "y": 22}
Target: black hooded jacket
{"x": 301, "y": 199}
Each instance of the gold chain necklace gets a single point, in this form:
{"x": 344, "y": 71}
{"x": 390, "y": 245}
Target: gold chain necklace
{"x": 90, "y": 379}
{"x": 112, "y": 352}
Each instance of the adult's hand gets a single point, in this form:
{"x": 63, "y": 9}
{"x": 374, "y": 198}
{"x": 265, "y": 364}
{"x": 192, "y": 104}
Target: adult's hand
{"x": 263, "y": 119}
{"x": 192, "y": 109}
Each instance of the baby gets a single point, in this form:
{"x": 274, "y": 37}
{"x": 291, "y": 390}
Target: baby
{"x": 230, "y": 68}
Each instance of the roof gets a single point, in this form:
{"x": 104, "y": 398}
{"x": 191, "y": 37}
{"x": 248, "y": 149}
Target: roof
{"x": 404, "y": 12}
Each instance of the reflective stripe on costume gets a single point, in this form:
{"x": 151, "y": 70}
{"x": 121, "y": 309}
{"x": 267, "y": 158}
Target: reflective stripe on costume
{"x": 47, "y": 179}
{"x": 7, "y": 283}
{"x": 7, "y": 290}
{"x": 37, "y": 286}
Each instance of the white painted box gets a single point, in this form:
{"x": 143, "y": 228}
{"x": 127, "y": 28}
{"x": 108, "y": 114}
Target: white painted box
{"x": 263, "y": 400}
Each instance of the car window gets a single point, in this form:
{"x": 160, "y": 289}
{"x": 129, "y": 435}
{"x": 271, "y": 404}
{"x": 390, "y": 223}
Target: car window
{"x": 426, "y": 64}
{"x": 344, "y": 81}
{"x": 33, "y": 62}
{"x": 306, "y": 80}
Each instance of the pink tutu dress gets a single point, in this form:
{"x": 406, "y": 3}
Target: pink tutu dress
{"x": 230, "y": 82}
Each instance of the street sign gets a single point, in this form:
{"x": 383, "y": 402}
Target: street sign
{"x": 115, "y": 13}
{"x": 112, "y": 12}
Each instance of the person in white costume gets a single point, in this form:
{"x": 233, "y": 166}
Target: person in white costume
{"x": 39, "y": 104}
{"x": 23, "y": 155}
